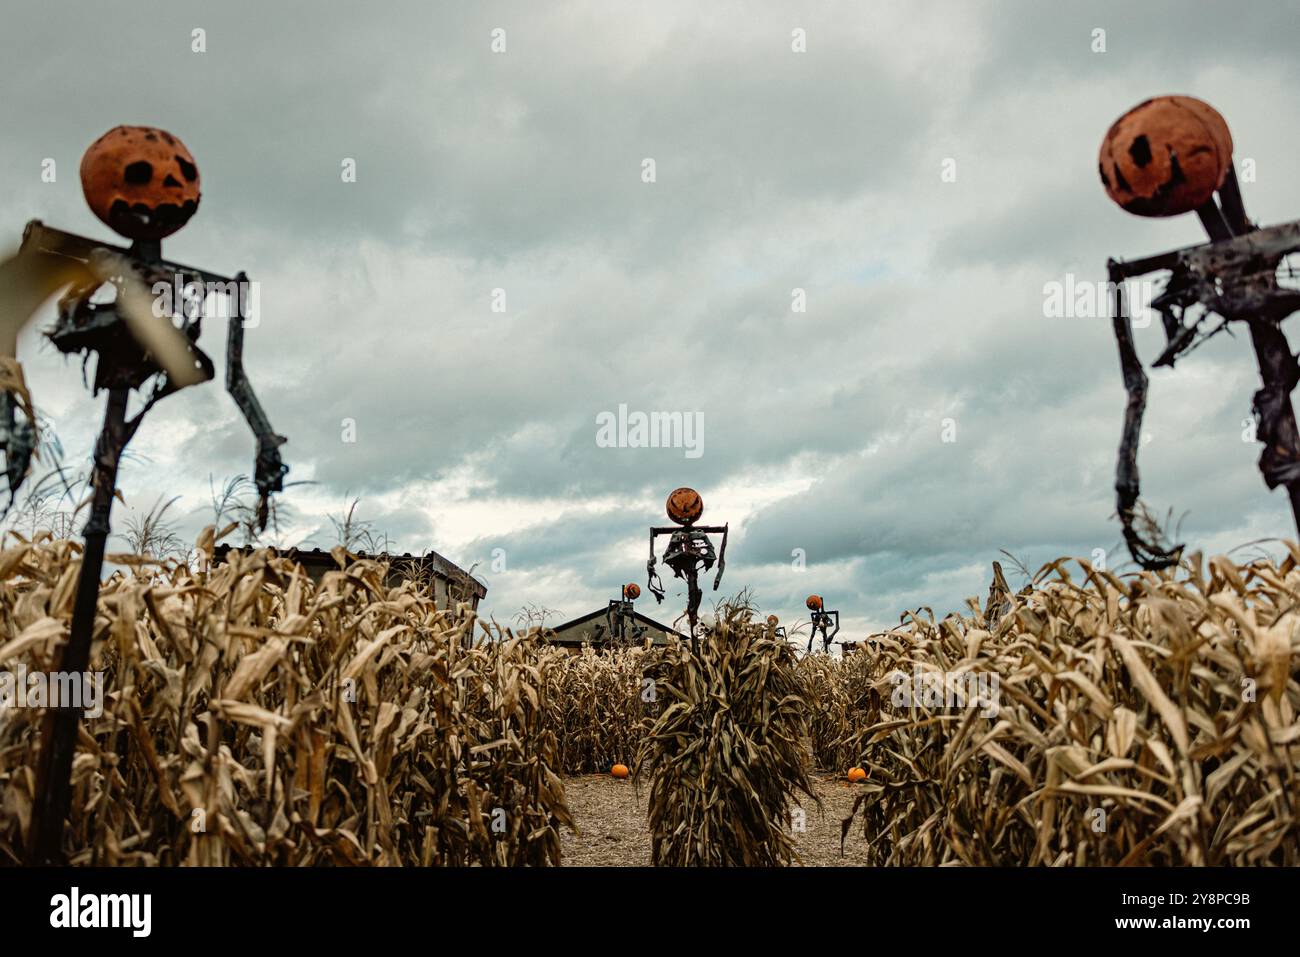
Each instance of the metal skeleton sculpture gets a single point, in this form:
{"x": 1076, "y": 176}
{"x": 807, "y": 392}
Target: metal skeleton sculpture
{"x": 620, "y": 619}
{"x": 822, "y": 620}
{"x": 689, "y": 552}
{"x": 1236, "y": 277}
{"x": 134, "y": 349}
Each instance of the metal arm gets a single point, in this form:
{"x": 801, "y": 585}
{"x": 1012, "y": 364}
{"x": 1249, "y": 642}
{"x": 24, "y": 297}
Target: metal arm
{"x": 269, "y": 469}
{"x": 37, "y": 237}
{"x": 1147, "y": 554}
{"x": 722, "y": 557}
{"x": 653, "y": 581}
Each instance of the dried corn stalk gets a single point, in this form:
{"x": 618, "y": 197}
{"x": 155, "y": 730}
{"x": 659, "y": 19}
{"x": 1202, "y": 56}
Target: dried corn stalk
{"x": 255, "y": 718}
{"x": 1144, "y": 720}
{"x": 726, "y": 756}
{"x": 599, "y": 704}
{"x": 839, "y": 692}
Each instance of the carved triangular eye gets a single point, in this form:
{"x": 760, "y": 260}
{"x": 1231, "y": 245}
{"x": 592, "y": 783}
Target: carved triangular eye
{"x": 138, "y": 173}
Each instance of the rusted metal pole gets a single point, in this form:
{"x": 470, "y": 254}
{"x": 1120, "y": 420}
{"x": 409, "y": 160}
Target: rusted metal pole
{"x": 53, "y": 798}
{"x": 693, "y": 599}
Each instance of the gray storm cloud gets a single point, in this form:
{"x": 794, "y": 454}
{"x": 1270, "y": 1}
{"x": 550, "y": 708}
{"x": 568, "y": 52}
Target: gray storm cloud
{"x": 776, "y": 171}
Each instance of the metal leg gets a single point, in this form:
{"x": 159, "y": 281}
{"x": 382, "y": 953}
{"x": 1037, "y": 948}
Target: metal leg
{"x": 59, "y": 729}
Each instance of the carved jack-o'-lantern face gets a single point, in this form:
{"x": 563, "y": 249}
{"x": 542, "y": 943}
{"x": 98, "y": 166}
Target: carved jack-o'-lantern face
{"x": 814, "y": 603}
{"x": 685, "y": 506}
{"x": 142, "y": 182}
{"x": 1166, "y": 156}
{"x": 632, "y": 591}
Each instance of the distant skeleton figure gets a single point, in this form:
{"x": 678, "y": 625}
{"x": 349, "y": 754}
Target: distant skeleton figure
{"x": 822, "y": 620}
{"x": 689, "y": 552}
{"x": 620, "y": 618}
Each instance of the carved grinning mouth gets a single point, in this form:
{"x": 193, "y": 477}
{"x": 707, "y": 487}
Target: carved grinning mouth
{"x": 164, "y": 215}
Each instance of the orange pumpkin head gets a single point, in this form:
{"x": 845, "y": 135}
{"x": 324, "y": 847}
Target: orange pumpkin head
{"x": 772, "y": 621}
{"x": 631, "y": 591}
{"x": 619, "y": 771}
{"x": 685, "y": 506}
{"x": 814, "y": 603}
{"x": 1165, "y": 156}
{"x": 140, "y": 181}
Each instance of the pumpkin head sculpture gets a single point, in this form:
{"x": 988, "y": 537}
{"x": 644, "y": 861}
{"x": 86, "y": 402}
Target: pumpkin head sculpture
{"x": 689, "y": 552}
{"x": 814, "y": 602}
{"x": 685, "y": 506}
{"x": 140, "y": 181}
{"x": 1166, "y": 156}
{"x": 772, "y": 621}
{"x": 631, "y": 591}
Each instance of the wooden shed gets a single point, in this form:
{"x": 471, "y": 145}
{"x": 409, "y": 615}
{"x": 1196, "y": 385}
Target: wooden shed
{"x": 592, "y": 629}
{"x": 451, "y": 583}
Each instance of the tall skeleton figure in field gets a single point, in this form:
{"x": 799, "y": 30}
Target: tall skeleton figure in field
{"x": 620, "y": 618}
{"x": 1166, "y": 156}
{"x": 143, "y": 183}
{"x": 822, "y": 620}
{"x": 689, "y": 552}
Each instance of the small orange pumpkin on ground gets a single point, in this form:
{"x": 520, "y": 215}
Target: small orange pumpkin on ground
{"x": 857, "y": 775}
{"x": 814, "y": 603}
{"x": 619, "y": 771}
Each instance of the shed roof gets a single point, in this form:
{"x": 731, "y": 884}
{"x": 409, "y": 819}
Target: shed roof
{"x": 321, "y": 558}
{"x": 572, "y": 623}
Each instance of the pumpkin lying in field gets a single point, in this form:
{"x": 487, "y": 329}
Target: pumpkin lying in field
{"x": 857, "y": 775}
{"x": 619, "y": 770}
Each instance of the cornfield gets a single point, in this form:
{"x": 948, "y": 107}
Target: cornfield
{"x": 597, "y": 705}
{"x": 254, "y": 718}
{"x": 838, "y": 693}
{"x": 726, "y": 756}
{"x": 1150, "y": 720}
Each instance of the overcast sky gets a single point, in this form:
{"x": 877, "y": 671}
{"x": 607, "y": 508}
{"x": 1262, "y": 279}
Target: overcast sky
{"x": 775, "y": 170}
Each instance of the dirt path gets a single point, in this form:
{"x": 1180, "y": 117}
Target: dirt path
{"x": 612, "y": 820}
